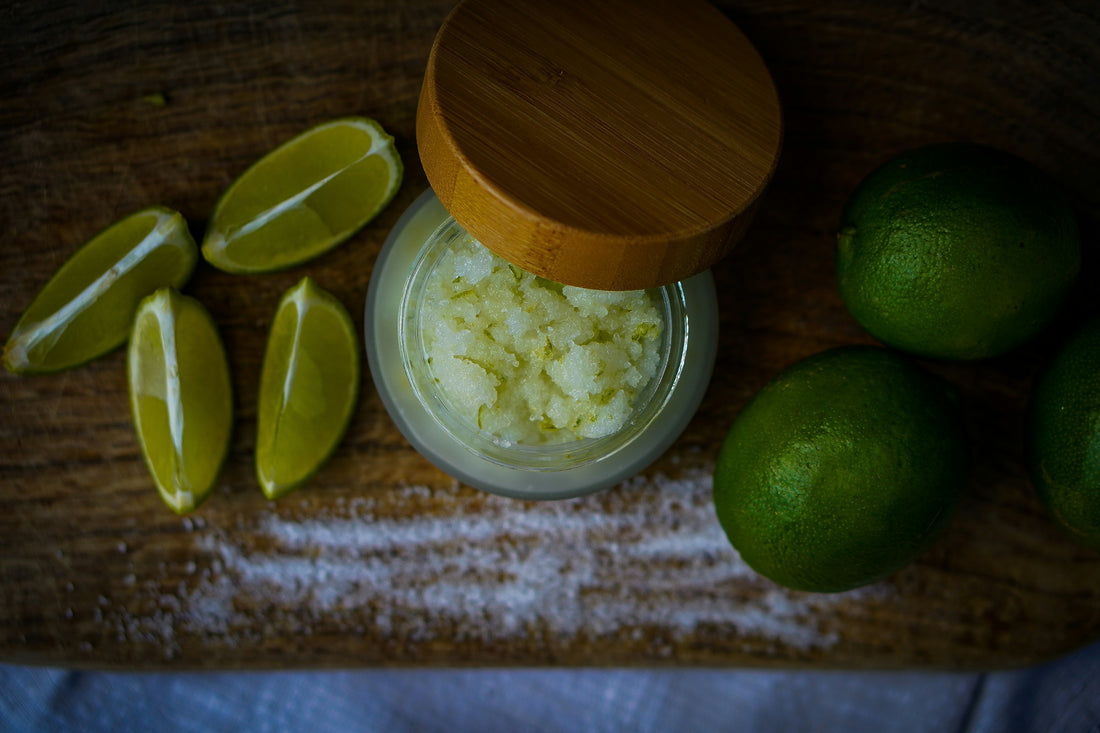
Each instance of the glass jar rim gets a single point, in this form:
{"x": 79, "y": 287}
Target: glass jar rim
{"x": 550, "y": 456}
{"x": 389, "y": 275}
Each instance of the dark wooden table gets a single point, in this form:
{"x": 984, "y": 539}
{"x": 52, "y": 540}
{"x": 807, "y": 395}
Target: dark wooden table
{"x": 384, "y": 560}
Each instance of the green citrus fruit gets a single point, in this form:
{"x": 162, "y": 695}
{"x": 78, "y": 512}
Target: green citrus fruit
{"x": 956, "y": 251}
{"x": 304, "y": 198}
{"x": 87, "y": 307}
{"x": 308, "y": 387}
{"x": 841, "y": 470}
{"x": 1063, "y": 432}
{"x": 180, "y": 396}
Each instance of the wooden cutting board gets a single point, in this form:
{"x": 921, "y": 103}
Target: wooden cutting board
{"x": 384, "y": 560}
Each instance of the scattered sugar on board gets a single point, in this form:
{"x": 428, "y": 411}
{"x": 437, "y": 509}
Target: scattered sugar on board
{"x": 155, "y": 625}
{"x": 647, "y": 554}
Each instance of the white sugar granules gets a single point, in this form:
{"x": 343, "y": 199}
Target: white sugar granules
{"x": 530, "y": 361}
{"x": 649, "y": 554}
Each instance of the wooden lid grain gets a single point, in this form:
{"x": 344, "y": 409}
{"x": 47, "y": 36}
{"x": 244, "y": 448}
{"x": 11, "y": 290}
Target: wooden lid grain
{"x": 609, "y": 144}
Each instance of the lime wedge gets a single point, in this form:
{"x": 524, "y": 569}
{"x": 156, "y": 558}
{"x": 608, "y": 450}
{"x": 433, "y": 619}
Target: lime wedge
{"x": 308, "y": 387}
{"x": 87, "y": 307}
{"x": 180, "y": 396}
{"x": 304, "y": 198}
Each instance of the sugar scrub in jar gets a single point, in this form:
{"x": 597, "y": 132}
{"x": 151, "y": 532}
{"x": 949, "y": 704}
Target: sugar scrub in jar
{"x": 522, "y": 386}
{"x": 542, "y": 323}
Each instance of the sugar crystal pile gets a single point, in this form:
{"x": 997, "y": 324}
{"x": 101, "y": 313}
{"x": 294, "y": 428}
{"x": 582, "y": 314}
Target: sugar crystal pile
{"x": 531, "y": 361}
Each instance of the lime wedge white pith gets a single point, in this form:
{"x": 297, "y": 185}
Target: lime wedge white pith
{"x": 87, "y": 307}
{"x": 304, "y": 198}
{"x": 308, "y": 387}
{"x": 180, "y": 396}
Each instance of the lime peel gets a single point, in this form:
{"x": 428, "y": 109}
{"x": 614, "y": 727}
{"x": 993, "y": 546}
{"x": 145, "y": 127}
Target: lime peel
{"x": 299, "y": 198}
{"x": 842, "y": 469}
{"x": 31, "y": 347}
{"x": 290, "y": 207}
{"x": 172, "y": 389}
{"x": 956, "y": 251}
{"x": 180, "y": 396}
{"x": 1063, "y": 435}
{"x": 308, "y": 387}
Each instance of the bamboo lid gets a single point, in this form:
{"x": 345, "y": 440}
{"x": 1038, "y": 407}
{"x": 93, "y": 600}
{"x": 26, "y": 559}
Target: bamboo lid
{"x": 608, "y": 144}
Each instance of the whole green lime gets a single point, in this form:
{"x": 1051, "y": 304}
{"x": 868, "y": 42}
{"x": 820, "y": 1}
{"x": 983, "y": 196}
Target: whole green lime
{"x": 842, "y": 469}
{"x": 956, "y": 251}
{"x": 1063, "y": 436}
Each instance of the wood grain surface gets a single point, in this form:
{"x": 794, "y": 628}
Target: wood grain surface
{"x": 383, "y": 560}
{"x": 615, "y": 146}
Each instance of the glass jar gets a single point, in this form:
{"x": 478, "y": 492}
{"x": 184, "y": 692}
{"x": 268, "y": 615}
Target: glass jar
{"x": 550, "y": 470}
